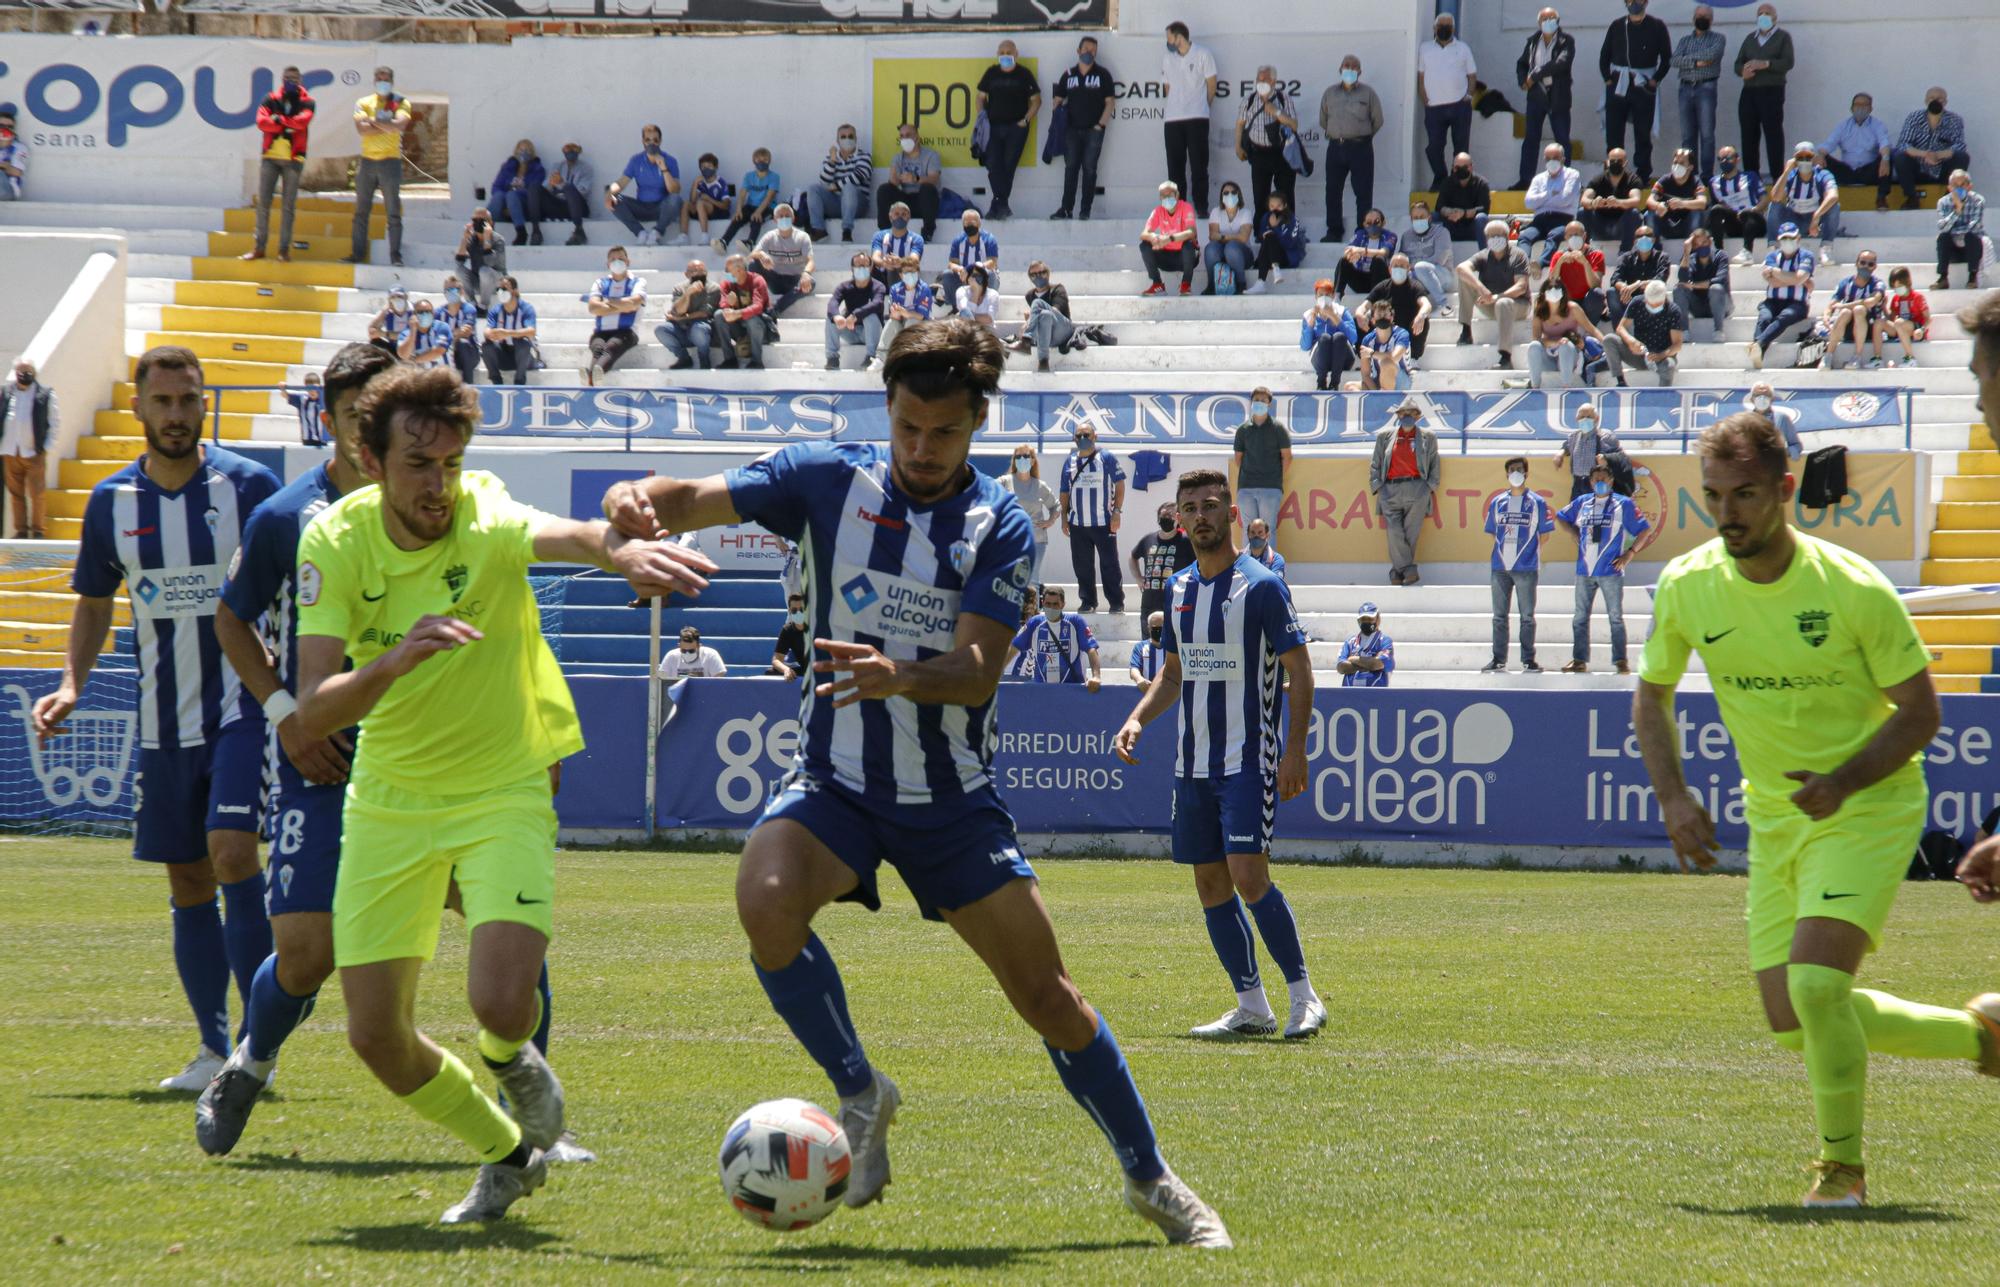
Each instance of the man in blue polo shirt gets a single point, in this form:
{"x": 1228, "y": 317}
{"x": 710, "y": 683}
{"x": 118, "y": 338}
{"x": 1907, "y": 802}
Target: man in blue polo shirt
{"x": 649, "y": 189}
{"x": 1367, "y": 657}
{"x": 1606, "y": 527}
{"x": 1516, "y": 519}
{"x": 1053, "y": 647}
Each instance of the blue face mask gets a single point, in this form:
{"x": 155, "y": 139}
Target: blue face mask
{"x": 761, "y": 166}
{"x": 1601, "y": 489}
{"x": 1349, "y": 76}
{"x": 1257, "y": 544}
{"x": 1644, "y": 243}
{"x": 1006, "y": 62}
{"x": 1765, "y": 22}
{"x": 1260, "y": 408}
{"x": 385, "y": 87}
{"x": 708, "y": 172}
{"x": 899, "y": 223}
{"x": 1420, "y": 225}
{"x": 909, "y": 279}
{"x": 1550, "y": 26}
{"x": 1086, "y": 58}
{"x": 784, "y": 225}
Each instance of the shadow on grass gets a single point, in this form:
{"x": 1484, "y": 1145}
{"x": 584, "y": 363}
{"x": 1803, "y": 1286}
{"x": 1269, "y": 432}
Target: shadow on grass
{"x": 427, "y": 1236}
{"x": 357, "y": 1169}
{"x": 154, "y": 1096}
{"x": 840, "y": 1253}
{"x": 1774, "y": 1213}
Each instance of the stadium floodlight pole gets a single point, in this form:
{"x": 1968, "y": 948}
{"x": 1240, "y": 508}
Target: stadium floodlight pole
{"x": 653, "y": 718}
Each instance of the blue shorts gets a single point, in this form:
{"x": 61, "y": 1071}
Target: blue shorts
{"x": 1216, "y": 817}
{"x": 182, "y": 794}
{"x": 946, "y": 866}
{"x": 305, "y": 844}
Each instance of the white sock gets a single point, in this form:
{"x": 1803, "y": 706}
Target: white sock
{"x": 1302, "y": 991}
{"x": 1254, "y": 1002}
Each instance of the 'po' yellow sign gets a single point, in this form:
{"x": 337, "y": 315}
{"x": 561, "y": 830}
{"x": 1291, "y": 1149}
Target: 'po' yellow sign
{"x": 940, "y": 96}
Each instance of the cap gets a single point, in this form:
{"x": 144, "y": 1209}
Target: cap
{"x": 1788, "y": 230}
{"x": 8, "y": 109}
{"x": 1409, "y": 404}
{"x": 1805, "y": 147}
{"x": 1368, "y": 610}
{"x": 400, "y": 289}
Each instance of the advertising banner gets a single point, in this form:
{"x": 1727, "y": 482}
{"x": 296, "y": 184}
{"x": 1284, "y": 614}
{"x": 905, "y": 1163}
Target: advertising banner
{"x": 775, "y": 13}
{"x": 940, "y": 96}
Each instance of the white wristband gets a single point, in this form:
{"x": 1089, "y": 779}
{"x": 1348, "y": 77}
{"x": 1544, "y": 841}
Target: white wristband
{"x": 279, "y": 706}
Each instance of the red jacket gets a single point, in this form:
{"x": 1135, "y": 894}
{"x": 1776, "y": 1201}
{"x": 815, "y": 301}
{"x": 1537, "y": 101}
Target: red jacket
{"x": 759, "y": 295}
{"x": 273, "y": 122}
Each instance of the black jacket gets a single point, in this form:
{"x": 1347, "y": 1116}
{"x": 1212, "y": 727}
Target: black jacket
{"x": 1644, "y": 45}
{"x": 1552, "y": 82}
{"x": 38, "y": 412}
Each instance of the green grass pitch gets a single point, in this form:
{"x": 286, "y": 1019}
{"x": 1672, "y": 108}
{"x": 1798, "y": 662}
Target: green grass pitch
{"x": 1555, "y": 1077}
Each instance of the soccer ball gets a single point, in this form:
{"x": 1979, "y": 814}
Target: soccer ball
{"x": 784, "y": 1164}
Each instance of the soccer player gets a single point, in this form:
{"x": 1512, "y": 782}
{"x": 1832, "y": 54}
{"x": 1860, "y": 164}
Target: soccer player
{"x": 918, "y": 567}
{"x": 1826, "y": 690}
{"x": 1230, "y": 629}
{"x": 422, "y": 581}
{"x": 167, "y": 525}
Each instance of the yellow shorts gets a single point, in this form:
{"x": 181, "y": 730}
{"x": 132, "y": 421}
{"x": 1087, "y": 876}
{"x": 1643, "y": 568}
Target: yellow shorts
{"x": 399, "y": 850}
{"x": 1845, "y": 868}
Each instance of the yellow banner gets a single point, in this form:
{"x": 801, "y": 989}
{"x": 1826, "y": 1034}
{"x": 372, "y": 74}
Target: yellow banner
{"x": 1329, "y": 516}
{"x": 940, "y": 96}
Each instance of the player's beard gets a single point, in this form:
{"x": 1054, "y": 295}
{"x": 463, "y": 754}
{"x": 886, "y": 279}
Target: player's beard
{"x": 926, "y": 489}
{"x": 1745, "y": 544}
{"x": 428, "y": 518}
{"x": 173, "y": 440}
{"x": 1207, "y": 540}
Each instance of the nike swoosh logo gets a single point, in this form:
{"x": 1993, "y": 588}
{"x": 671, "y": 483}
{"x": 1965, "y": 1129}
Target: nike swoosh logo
{"x": 1824, "y": 897}
{"x": 1709, "y": 639}
{"x": 372, "y": 597}
{"x": 1842, "y": 1140}
{"x": 528, "y": 902}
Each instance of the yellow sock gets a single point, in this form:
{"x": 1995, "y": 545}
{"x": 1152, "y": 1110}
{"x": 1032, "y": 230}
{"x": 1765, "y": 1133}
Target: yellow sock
{"x": 496, "y": 1049}
{"x": 1913, "y": 1030}
{"x": 451, "y": 1100}
{"x": 1836, "y": 1050}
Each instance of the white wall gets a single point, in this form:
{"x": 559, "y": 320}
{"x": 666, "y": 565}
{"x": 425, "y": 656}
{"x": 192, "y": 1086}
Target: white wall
{"x": 65, "y": 312}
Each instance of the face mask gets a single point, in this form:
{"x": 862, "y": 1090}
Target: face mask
{"x": 1727, "y": 165}
{"x": 1444, "y": 33}
{"x": 1655, "y": 308}
{"x": 1864, "y": 272}
{"x": 1231, "y": 200}
{"x": 909, "y": 279}
{"x": 1022, "y": 464}
{"x": 1006, "y": 62}
{"x": 385, "y": 87}
{"x": 1384, "y": 325}
{"x": 1614, "y": 167}
{"x": 25, "y": 380}
{"x": 708, "y": 172}
{"x": 728, "y": 278}
{"x": 1086, "y": 58}
{"x": 1172, "y": 48}
{"x": 1497, "y": 245}
{"x": 1420, "y": 226}
{"x": 1550, "y": 26}
{"x": 861, "y": 273}
{"x": 1407, "y": 421}
{"x": 423, "y": 320}
{"x": 1600, "y": 489}
{"x": 1901, "y": 291}
{"x": 1349, "y": 76}
{"x": 1553, "y": 167}
{"x": 1702, "y": 24}
{"x": 762, "y": 167}
{"x": 1636, "y": 8}
{"x": 1168, "y": 203}
{"x": 451, "y": 294}
{"x": 1761, "y": 402}
{"x": 1040, "y": 280}
{"x": 795, "y": 618}
{"x": 690, "y": 653}
{"x": 652, "y": 149}
{"x": 1167, "y": 523}
{"x": 1399, "y": 275}
{"x": 899, "y": 223}
{"x": 908, "y": 145}
{"x": 1365, "y": 627}
{"x": 1516, "y": 479}
{"x": 1053, "y": 615}
{"x": 1084, "y": 442}
{"x": 1264, "y": 88}
{"x": 1788, "y": 244}
{"x": 572, "y": 153}
{"x": 1372, "y": 227}
{"x": 1576, "y": 243}
{"x": 1257, "y": 544}
{"x": 1805, "y": 169}
{"x": 1643, "y": 244}
{"x": 971, "y": 229}
{"x": 1153, "y": 634}
{"x": 522, "y": 153}
{"x": 1555, "y": 299}
{"x": 1700, "y": 252}
{"x": 1936, "y": 106}
{"x": 784, "y": 225}
{"x": 847, "y": 142}
{"x": 1325, "y": 301}
{"x": 400, "y": 305}
{"x": 1680, "y": 172}
{"x": 617, "y": 268}
{"x": 1860, "y": 116}
{"x": 1462, "y": 171}
{"x": 1260, "y": 408}
{"x": 1765, "y": 22}
{"x": 506, "y": 297}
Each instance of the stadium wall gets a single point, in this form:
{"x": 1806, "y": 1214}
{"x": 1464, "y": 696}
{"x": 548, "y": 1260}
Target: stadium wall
{"x": 64, "y": 310}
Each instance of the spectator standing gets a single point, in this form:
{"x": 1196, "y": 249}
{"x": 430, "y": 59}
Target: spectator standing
{"x": 1407, "y": 304}
{"x": 910, "y": 299}
{"x": 1907, "y": 316}
{"x": 1930, "y": 145}
{"x": 310, "y": 406}
{"x": 1367, "y": 657}
{"x": 1262, "y": 119}
{"x": 1545, "y": 71}
{"x": 693, "y": 658}
{"x": 381, "y": 119}
{"x": 1494, "y": 284}
{"x": 616, "y": 300}
{"x": 1048, "y": 322}
{"x": 566, "y": 188}
{"x": 1188, "y": 70}
{"x": 1649, "y": 337}
{"x": 1762, "y": 400}
{"x": 1350, "y": 116}
{"x": 283, "y": 119}
{"x": 647, "y": 190}
{"x": 756, "y": 201}
{"x": 916, "y": 178}
{"x": 1637, "y": 267}
{"x": 1055, "y": 647}
{"x": 1579, "y": 267}
{"x": 1633, "y": 60}
{"x": 1147, "y": 654}
{"x": 1011, "y": 98}
{"x": 28, "y": 419}
{"x": 1024, "y": 480}
{"x": 791, "y": 655}
{"x": 896, "y": 244}
{"x": 1432, "y": 263}
{"x": 1559, "y": 326}
{"x": 1382, "y": 351}
{"x": 1169, "y": 240}
{"x": 688, "y": 330}
{"x": 1281, "y": 244}
{"x": 1961, "y": 235}
{"x": 1553, "y": 197}
{"x": 1327, "y": 334}
{"x": 1764, "y": 60}
{"x": 1403, "y": 476}
{"x": 845, "y": 179}
{"x": 1447, "y": 78}
{"x": 1854, "y": 310}
{"x": 13, "y": 157}
{"x": 974, "y": 247}
{"x": 1259, "y": 459}
{"x": 1704, "y": 282}
{"x": 1788, "y": 283}
{"x": 481, "y": 255}
{"x": 1611, "y": 202}
{"x": 1860, "y": 152}
{"x": 744, "y": 302}
{"x": 1463, "y": 200}
{"x": 1605, "y": 526}
{"x": 1092, "y": 492}
{"x": 1679, "y": 198}
{"x": 510, "y": 335}
{"x": 1517, "y": 520}
{"x": 1587, "y": 448}
{"x": 1086, "y": 97}
{"x": 1698, "y": 58}
{"x": 1811, "y": 196}
{"x": 785, "y": 257}
{"x": 854, "y": 313}
{"x": 461, "y": 318}
{"x": 1157, "y": 557}
{"x": 386, "y": 325}
{"x": 1740, "y": 200}
{"x": 517, "y": 187}
{"x": 1364, "y": 265}
{"x": 1257, "y": 544}
{"x": 708, "y": 199}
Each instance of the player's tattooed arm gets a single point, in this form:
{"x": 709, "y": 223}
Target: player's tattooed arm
{"x": 1159, "y": 698}
{"x": 649, "y": 507}
{"x": 1689, "y": 827}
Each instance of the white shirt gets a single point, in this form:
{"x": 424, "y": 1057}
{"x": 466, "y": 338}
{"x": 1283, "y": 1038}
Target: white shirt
{"x": 1187, "y": 76}
{"x": 1444, "y": 69}
{"x": 1227, "y": 224}
{"x": 985, "y": 307}
{"x": 705, "y": 662}
{"x": 18, "y": 436}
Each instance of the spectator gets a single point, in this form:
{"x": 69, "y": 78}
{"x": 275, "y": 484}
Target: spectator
{"x": 791, "y": 655}
{"x": 1644, "y": 263}
{"x": 1544, "y": 71}
{"x": 910, "y": 299}
{"x": 972, "y": 248}
{"x": 977, "y": 302}
{"x": 381, "y": 119}
{"x": 1649, "y": 337}
{"x": 1698, "y": 58}
{"x": 1364, "y": 265}
{"x": 510, "y": 334}
{"x": 1427, "y": 246}
{"x": 845, "y": 179}
{"x": 916, "y": 177}
{"x": 1854, "y": 310}
{"x": 1739, "y": 205}
{"x": 1281, "y": 244}
{"x": 1157, "y": 557}
{"x": 1382, "y": 351}
{"x": 1367, "y": 657}
{"x": 310, "y": 406}
{"x": 1327, "y": 333}
{"x": 28, "y": 420}
{"x": 1587, "y": 448}
{"x": 1559, "y": 325}
{"x": 653, "y": 178}
{"x": 1054, "y": 646}
{"x": 1907, "y": 316}
{"x": 1260, "y": 457}
{"x": 616, "y": 301}
{"x": 1011, "y": 98}
{"x": 1763, "y": 61}
{"x": 1257, "y": 543}
{"x": 1261, "y": 121}
{"x": 784, "y": 256}
{"x": 1811, "y": 196}
{"x": 1169, "y": 239}
{"x": 1086, "y": 95}
{"x": 386, "y": 325}
{"x": 1788, "y": 282}
{"x": 1517, "y": 520}
{"x": 1407, "y": 303}
{"x": 1495, "y": 283}
{"x": 895, "y": 244}
{"x": 1579, "y": 267}
{"x": 1761, "y": 399}
{"x": 854, "y": 312}
{"x": 1463, "y": 200}
{"x": 516, "y": 190}
{"x": 1930, "y": 146}
{"x": 1961, "y": 232}
{"x": 1229, "y": 231}
{"x": 481, "y": 255}
{"x": 1048, "y": 324}
{"x": 740, "y": 313}
{"x": 1188, "y": 71}
{"x": 709, "y": 199}
{"x": 1350, "y": 116}
{"x": 756, "y": 201}
{"x": 688, "y": 330}
{"x": 1678, "y": 198}
{"x": 283, "y": 119}
{"x": 1633, "y": 61}
{"x": 1605, "y": 526}
{"x": 1704, "y": 286}
{"x": 1147, "y": 654}
{"x": 1860, "y": 151}
{"x": 691, "y": 659}
{"x": 1091, "y": 493}
{"x": 1611, "y": 202}
{"x": 426, "y": 341}
{"x": 1447, "y": 78}
{"x": 1024, "y": 480}
{"x": 566, "y": 192}
{"x": 1553, "y": 197}
{"x": 1403, "y": 477}
{"x": 13, "y": 158}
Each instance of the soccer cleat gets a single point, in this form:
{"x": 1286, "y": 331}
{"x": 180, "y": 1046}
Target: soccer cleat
{"x": 498, "y": 1187}
{"x": 1237, "y": 1023}
{"x": 1169, "y": 1203}
{"x": 1308, "y": 1017}
{"x": 567, "y": 1150}
{"x": 866, "y": 1118}
{"x": 1836, "y": 1184}
{"x": 224, "y": 1107}
{"x": 1986, "y": 1009}
{"x": 200, "y": 1070}
{"x": 534, "y": 1096}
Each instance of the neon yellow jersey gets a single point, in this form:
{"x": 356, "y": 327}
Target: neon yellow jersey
{"x": 1798, "y": 665}
{"x": 485, "y": 714}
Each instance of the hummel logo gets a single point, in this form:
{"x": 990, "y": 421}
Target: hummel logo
{"x": 232, "y": 808}
{"x": 372, "y": 597}
{"x": 1830, "y": 897}
{"x": 525, "y": 901}
{"x": 1709, "y": 639}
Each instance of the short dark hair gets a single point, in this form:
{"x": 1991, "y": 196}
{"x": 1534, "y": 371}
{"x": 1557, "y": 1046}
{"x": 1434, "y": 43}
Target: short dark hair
{"x": 1056, "y": 590}
{"x": 1195, "y": 479}
{"x": 166, "y": 357}
{"x": 1512, "y": 461}
{"x": 433, "y": 396}
{"x": 1178, "y": 29}
{"x": 708, "y": 157}
{"x": 385, "y": 70}
{"x": 282, "y": 71}
{"x": 1746, "y": 436}
{"x": 609, "y": 251}
{"x": 353, "y": 367}
{"x": 931, "y": 359}
{"x": 1087, "y": 40}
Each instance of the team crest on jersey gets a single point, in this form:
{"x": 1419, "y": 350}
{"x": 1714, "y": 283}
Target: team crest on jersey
{"x": 960, "y": 555}
{"x": 308, "y": 584}
{"x": 454, "y": 580}
{"x": 211, "y": 516}
{"x": 1813, "y": 626}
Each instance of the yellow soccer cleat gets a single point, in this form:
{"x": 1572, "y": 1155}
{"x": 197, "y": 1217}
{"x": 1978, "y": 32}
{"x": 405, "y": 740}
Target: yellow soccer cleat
{"x": 1836, "y": 1184}
{"x": 1986, "y": 1008}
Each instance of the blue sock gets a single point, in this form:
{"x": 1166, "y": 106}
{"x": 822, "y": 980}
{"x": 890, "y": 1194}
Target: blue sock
{"x": 204, "y": 970}
{"x": 272, "y": 1012}
{"x": 1280, "y": 932}
{"x": 1098, "y": 1078}
{"x": 541, "y": 1037}
{"x": 246, "y": 933}
{"x": 1229, "y": 930}
{"x": 808, "y": 996}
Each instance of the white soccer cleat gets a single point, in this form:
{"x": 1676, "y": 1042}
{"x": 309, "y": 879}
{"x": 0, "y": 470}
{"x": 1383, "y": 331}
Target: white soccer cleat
{"x": 533, "y": 1095}
{"x": 200, "y": 1071}
{"x": 497, "y": 1187}
{"x": 1237, "y": 1023}
{"x": 568, "y": 1151}
{"x": 1308, "y": 1017}
{"x": 1169, "y": 1203}
{"x": 866, "y": 1119}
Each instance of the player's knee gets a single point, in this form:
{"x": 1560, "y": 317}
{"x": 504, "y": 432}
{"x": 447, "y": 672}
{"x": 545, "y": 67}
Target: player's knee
{"x": 1053, "y": 1007}
{"x": 1252, "y": 880}
{"x": 233, "y": 855}
{"x": 507, "y": 1012}
{"x": 1212, "y": 884}
{"x": 776, "y": 917}
{"x": 1817, "y": 988}
{"x": 190, "y": 884}
{"x": 382, "y": 1046}
{"x": 303, "y": 966}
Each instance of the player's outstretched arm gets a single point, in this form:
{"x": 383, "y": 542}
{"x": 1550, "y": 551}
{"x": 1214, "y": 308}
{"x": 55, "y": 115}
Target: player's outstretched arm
{"x": 654, "y": 568}
{"x": 332, "y": 699}
{"x": 1905, "y": 733}
{"x": 965, "y": 676}
{"x": 1298, "y": 720}
{"x": 1689, "y": 827}
{"x": 320, "y": 760}
{"x": 89, "y": 624}
{"x": 650, "y": 507}
{"x": 1158, "y": 699}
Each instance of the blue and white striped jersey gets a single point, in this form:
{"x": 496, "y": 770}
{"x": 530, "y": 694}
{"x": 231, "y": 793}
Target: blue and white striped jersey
{"x": 171, "y": 549}
{"x": 1516, "y": 524}
{"x": 1739, "y": 191}
{"x": 882, "y": 570}
{"x": 898, "y": 245}
{"x": 1377, "y": 645}
{"x": 1146, "y": 658}
{"x": 1605, "y": 527}
{"x": 1799, "y": 261}
{"x": 1091, "y": 483}
{"x": 609, "y": 288}
{"x": 1229, "y": 633}
{"x": 263, "y": 577}
{"x": 1803, "y": 193}
{"x": 1053, "y": 654}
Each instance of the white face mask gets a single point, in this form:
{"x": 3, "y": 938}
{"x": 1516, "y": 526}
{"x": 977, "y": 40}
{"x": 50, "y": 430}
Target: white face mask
{"x": 1231, "y": 200}
{"x": 1264, "y": 88}
{"x": 1022, "y": 464}
{"x": 618, "y": 268}
{"x": 1398, "y": 275}
{"x": 505, "y": 297}
{"x": 1052, "y": 614}
{"x": 1553, "y": 166}
{"x": 1497, "y": 245}
{"x": 861, "y": 273}
{"x": 1516, "y": 478}
{"x": 1325, "y": 301}
{"x": 909, "y": 279}
{"x": 1555, "y": 299}
{"x": 1168, "y": 203}
{"x": 1760, "y": 402}
{"x": 400, "y": 305}
{"x": 1788, "y": 244}
{"x": 908, "y": 145}
{"x": 1576, "y": 243}
{"x": 1680, "y": 172}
